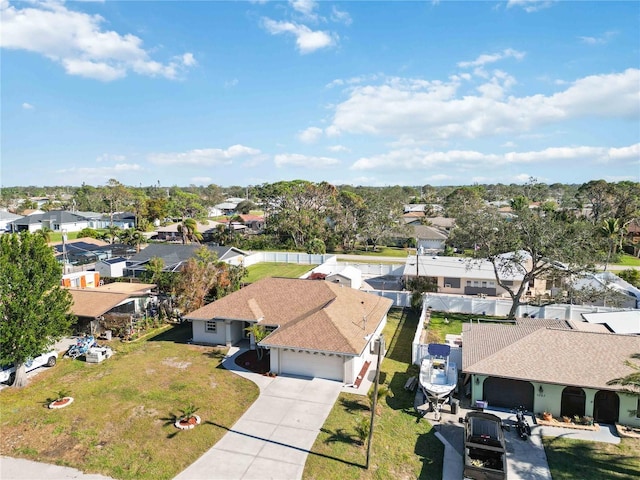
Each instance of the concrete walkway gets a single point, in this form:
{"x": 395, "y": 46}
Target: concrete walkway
{"x": 274, "y": 436}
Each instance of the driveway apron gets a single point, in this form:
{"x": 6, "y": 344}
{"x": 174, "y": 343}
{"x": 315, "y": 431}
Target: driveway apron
{"x": 274, "y": 436}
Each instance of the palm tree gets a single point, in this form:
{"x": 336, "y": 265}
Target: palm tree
{"x": 611, "y": 229}
{"x": 259, "y": 333}
{"x": 631, "y": 382}
{"x": 189, "y": 230}
{"x": 45, "y": 232}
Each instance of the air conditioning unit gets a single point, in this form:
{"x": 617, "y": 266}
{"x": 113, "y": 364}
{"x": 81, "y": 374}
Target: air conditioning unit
{"x": 447, "y": 285}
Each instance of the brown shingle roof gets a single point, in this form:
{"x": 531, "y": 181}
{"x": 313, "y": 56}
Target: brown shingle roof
{"x": 549, "y": 355}
{"x": 90, "y": 303}
{"x": 311, "y": 314}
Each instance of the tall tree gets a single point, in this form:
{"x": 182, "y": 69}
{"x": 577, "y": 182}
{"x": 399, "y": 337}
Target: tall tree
{"x": 117, "y": 196}
{"x": 34, "y": 308}
{"x": 347, "y": 218}
{"x": 198, "y": 278}
{"x": 612, "y": 231}
{"x": 531, "y": 245}
{"x": 298, "y": 210}
{"x": 631, "y": 381}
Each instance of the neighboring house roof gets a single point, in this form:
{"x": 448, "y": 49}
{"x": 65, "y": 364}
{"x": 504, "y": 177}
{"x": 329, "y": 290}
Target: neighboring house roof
{"x": 226, "y": 206}
{"x": 455, "y": 267}
{"x": 129, "y": 288}
{"x": 425, "y": 232}
{"x": 8, "y": 216}
{"x": 174, "y": 255}
{"x": 442, "y": 222}
{"x": 113, "y": 261}
{"x": 60, "y": 217}
{"x": 93, "y": 303}
{"x": 548, "y": 355}
{"x": 626, "y": 322}
{"x": 311, "y": 314}
{"x": 201, "y": 227}
{"x": 80, "y": 241}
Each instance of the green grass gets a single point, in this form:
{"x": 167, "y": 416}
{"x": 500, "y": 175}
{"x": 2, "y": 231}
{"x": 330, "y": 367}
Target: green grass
{"x": 121, "y": 421}
{"x": 268, "y": 269}
{"x": 384, "y": 252}
{"x": 571, "y": 459}
{"x": 439, "y": 327}
{"x": 628, "y": 261}
{"x": 404, "y": 446}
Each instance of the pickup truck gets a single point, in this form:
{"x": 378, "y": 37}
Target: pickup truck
{"x": 8, "y": 372}
{"x": 485, "y": 450}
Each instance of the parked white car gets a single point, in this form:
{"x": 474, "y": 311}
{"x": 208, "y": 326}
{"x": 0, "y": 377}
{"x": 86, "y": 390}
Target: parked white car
{"x": 48, "y": 359}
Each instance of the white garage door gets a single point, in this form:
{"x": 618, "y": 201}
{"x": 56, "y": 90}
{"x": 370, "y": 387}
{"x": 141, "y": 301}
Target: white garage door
{"x": 307, "y": 364}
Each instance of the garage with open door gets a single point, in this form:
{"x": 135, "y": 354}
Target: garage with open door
{"x": 311, "y": 364}
{"x": 508, "y": 393}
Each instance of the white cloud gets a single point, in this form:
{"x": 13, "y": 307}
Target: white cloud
{"x": 530, "y": 6}
{"x": 310, "y": 135}
{"x": 436, "y": 111}
{"x": 338, "y": 148}
{"x": 305, "y": 7}
{"x": 79, "y": 43}
{"x": 231, "y": 83}
{"x": 340, "y": 16}
{"x": 205, "y": 157}
{"x": 416, "y": 159}
{"x": 306, "y": 161}
{"x": 603, "y": 39}
{"x": 307, "y": 40}
{"x": 27, "y": 106}
{"x": 492, "y": 58}
{"x": 99, "y": 174}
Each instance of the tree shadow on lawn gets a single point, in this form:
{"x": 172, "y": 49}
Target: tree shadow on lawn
{"x": 338, "y": 436}
{"x": 399, "y": 346}
{"x": 427, "y": 448}
{"x": 589, "y": 457}
{"x": 352, "y": 406}
{"x": 179, "y": 333}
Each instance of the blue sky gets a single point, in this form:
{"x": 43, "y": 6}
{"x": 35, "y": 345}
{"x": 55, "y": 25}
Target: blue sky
{"x": 360, "y": 93}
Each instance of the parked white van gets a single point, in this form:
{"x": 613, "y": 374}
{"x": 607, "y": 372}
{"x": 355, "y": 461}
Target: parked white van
{"x": 49, "y": 359}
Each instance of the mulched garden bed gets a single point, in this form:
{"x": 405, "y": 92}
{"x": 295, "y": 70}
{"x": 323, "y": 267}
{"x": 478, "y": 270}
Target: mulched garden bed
{"x": 249, "y": 360}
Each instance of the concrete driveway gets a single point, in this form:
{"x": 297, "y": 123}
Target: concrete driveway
{"x": 273, "y": 438}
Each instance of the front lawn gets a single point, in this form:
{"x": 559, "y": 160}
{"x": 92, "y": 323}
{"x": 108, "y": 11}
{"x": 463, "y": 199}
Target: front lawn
{"x": 570, "y": 459}
{"x": 626, "y": 260}
{"x": 276, "y": 269}
{"x": 121, "y": 421}
{"x": 404, "y": 446}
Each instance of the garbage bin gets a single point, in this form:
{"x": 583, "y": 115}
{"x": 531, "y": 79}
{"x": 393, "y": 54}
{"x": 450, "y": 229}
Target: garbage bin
{"x": 107, "y": 334}
{"x": 454, "y": 406}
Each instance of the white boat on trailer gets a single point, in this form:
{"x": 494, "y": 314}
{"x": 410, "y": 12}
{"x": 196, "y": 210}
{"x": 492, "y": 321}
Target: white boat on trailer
{"x": 438, "y": 376}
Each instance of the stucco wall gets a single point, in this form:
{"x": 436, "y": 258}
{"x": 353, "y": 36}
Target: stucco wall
{"x": 202, "y": 336}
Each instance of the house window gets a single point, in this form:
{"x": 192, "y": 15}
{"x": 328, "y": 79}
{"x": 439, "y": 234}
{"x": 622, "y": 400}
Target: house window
{"x": 211, "y": 326}
{"x": 468, "y": 283}
{"x": 484, "y": 284}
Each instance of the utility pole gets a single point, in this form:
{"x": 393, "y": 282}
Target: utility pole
{"x": 380, "y": 343}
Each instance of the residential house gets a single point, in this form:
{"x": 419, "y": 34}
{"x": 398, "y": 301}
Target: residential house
{"x": 5, "y": 219}
{"x": 442, "y": 223}
{"x": 91, "y": 305}
{"x": 85, "y": 251}
{"x": 348, "y": 276}
{"x": 111, "y": 267}
{"x": 551, "y": 368}
{"x": 175, "y": 255}
{"x": 455, "y": 275}
{"x": 316, "y": 328}
{"x": 171, "y": 232}
{"x": 429, "y": 240}
{"x": 55, "y": 220}
{"x": 623, "y": 322}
